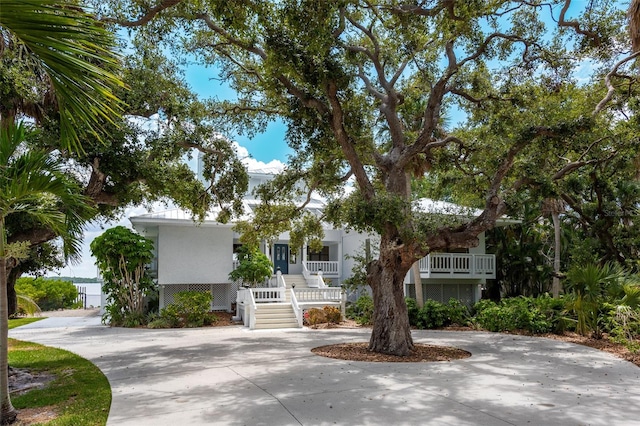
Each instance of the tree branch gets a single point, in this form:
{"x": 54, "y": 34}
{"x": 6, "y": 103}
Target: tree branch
{"x": 607, "y": 80}
{"x": 148, "y": 16}
{"x": 576, "y": 25}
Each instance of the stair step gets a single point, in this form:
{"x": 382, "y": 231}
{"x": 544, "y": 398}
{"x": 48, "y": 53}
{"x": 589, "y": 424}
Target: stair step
{"x": 276, "y": 326}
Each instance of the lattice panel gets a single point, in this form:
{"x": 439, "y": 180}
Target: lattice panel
{"x": 171, "y": 290}
{"x": 467, "y": 294}
{"x": 433, "y": 291}
{"x": 221, "y": 296}
{"x": 449, "y": 291}
{"x": 410, "y": 290}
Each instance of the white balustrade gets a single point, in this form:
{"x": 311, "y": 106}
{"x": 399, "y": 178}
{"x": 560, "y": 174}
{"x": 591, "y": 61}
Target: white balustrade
{"x": 458, "y": 265}
{"x": 327, "y": 267}
{"x": 267, "y": 295}
{"x": 306, "y": 295}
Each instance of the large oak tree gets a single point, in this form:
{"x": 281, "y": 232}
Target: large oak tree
{"x": 366, "y": 88}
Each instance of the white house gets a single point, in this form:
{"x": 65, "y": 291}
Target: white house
{"x": 200, "y": 256}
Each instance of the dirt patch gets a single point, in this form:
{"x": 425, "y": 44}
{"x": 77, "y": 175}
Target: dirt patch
{"x": 361, "y": 352}
{"x": 224, "y": 319}
{"x": 39, "y": 415}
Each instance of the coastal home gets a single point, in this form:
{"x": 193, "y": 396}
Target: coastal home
{"x": 199, "y": 256}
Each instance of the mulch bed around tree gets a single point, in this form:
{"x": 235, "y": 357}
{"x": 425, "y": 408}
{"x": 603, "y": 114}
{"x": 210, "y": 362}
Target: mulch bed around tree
{"x": 361, "y": 352}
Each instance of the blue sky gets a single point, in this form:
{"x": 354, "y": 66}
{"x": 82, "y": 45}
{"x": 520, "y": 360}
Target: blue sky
{"x": 267, "y": 148}
{"x": 264, "y": 147}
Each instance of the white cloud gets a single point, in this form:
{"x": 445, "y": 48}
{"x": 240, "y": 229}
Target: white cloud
{"x": 253, "y": 165}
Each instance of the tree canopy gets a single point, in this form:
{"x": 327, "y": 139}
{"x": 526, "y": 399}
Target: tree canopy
{"x": 368, "y": 90}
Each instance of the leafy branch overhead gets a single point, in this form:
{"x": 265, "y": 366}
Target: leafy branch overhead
{"x": 369, "y": 91}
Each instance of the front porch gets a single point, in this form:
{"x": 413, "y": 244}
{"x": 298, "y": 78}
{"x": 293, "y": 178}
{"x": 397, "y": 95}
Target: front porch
{"x": 283, "y": 306}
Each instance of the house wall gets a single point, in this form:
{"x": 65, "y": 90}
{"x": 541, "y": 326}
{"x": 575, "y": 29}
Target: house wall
{"x": 194, "y": 255}
{"x": 353, "y": 243}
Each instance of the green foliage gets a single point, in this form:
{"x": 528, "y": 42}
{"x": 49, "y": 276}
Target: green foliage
{"x": 122, "y": 256}
{"x": 534, "y": 315}
{"x": 362, "y": 310}
{"x": 76, "y": 51}
{"x": 80, "y": 393}
{"x": 49, "y": 295}
{"x": 588, "y": 287}
{"x": 189, "y": 309}
{"x": 437, "y": 315}
{"x": 253, "y": 266}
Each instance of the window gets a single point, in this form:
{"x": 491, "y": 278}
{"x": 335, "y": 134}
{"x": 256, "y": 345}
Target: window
{"x": 322, "y": 256}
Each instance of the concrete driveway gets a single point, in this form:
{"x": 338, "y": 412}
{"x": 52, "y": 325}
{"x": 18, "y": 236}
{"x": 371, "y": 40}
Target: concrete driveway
{"x": 232, "y": 376}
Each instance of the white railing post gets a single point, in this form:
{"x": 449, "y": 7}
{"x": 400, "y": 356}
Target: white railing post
{"x": 252, "y": 310}
{"x": 321, "y": 283}
{"x": 279, "y": 279}
{"x": 343, "y": 303}
{"x": 296, "y": 308}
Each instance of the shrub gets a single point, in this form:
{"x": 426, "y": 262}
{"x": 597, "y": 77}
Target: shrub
{"x": 457, "y": 312}
{"x": 315, "y": 316}
{"x": 362, "y": 310}
{"x": 189, "y": 309}
{"x": 121, "y": 256}
{"x": 432, "y": 315}
{"x": 49, "y": 295}
{"x": 413, "y": 310}
{"x": 518, "y": 313}
{"x": 332, "y": 314}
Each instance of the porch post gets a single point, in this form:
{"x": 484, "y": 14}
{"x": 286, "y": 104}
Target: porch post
{"x": 304, "y": 254}
{"x": 340, "y": 260}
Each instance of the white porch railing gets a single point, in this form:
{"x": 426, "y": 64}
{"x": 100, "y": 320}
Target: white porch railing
{"x": 267, "y": 295}
{"x": 313, "y": 295}
{"x": 458, "y": 265}
{"x": 328, "y": 268}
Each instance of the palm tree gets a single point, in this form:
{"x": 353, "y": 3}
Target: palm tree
{"x": 555, "y": 207}
{"x": 76, "y": 53}
{"x": 32, "y": 183}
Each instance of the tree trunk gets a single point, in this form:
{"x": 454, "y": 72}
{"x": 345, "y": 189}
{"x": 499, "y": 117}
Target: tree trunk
{"x": 555, "y": 286}
{"x": 8, "y": 414}
{"x": 12, "y": 298}
{"x": 418, "y": 283}
{"x": 391, "y": 333}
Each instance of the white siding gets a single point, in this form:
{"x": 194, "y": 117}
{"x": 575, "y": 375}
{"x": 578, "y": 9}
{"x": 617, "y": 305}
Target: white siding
{"x": 193, "y": 255}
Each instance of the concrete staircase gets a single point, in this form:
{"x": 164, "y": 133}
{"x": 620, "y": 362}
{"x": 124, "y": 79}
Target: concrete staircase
{"x": 280, "y": 315}
{"x": 275, "y": 315}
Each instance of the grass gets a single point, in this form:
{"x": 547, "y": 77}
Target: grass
{"x": 80, "y": 394}
{"x": 13, "y": 323}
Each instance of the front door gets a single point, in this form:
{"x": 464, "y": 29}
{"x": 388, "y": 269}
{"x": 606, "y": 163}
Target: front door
{"x": 281, "y": 258}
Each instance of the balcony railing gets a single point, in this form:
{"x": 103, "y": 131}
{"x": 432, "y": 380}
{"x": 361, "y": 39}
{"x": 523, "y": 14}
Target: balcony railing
{"x": 458, "y": 265}
{"x": 328, "y": 268}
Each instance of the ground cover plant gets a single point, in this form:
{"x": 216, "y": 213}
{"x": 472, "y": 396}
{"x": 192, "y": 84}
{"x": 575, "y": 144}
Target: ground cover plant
{"x": 78, "y": 393}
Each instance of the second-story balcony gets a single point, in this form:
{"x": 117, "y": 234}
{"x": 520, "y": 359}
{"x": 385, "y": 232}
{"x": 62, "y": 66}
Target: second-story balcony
{"x": 458, "y": 265}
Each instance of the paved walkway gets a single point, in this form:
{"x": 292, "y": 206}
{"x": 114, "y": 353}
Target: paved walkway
{"x": 231, "y": 376}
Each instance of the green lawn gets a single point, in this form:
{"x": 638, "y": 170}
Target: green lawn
{"x": 80, "y": 392}
{"x": 13, "y": 323}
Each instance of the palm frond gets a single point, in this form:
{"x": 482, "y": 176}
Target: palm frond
{"x": 76, "y": 52}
